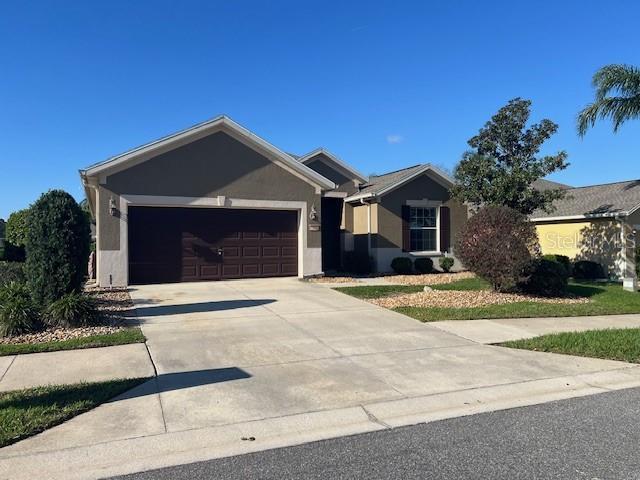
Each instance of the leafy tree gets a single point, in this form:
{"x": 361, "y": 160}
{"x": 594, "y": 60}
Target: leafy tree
{"x": 623, "y": 81}
{"x": 17, "y": 226}
{"x": 498, "y": 244}
{"x": 3, "y": 226}
{"x": 502, "y": 167}
{"x": 57, "y": 247}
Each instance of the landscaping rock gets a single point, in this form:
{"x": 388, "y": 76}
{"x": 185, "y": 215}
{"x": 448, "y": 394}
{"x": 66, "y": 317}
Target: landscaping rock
{"x": 465, "y": 299}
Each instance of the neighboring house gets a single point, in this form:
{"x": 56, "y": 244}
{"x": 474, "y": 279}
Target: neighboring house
{"x": 215, "y": 201}
{"x": 597, "y": 222}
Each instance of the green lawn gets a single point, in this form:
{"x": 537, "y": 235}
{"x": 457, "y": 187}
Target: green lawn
{"x": 606, "y": 299}
{"x": 26, "y": 412}
{"x": 122, "y": 337}
{"x": 623, "y": 344}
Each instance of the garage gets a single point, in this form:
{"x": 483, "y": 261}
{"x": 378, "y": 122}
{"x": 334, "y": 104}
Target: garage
{"x": 202, "y": 244}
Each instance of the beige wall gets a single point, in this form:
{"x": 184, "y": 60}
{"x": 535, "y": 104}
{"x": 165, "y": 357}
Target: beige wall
{"x": 360, "y": 219}
{"x": 598, "y": 240}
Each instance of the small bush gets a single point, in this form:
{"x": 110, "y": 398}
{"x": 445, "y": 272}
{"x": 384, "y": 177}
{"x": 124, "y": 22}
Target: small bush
{"x": 11, "y": 272}
{"x": 561, "y": 259}
{"x": 359, "y": 263}
{"x": 446, "y": 263}
{"x": 588, "y": 270}
{"x": 497, "y": 244}
{"x": 71, "y": 310}
{"x": 402, "y": 265}
{"x": 18, "y": 313}
{"x": 547, "y": 278}
{"x": 423, "y": 265}
{"x": 57, "y": 241}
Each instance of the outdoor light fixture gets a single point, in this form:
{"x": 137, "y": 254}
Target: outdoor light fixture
{"x": 112, "y": 207}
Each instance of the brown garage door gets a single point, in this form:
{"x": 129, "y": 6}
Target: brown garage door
{"x": 192, "y": 244}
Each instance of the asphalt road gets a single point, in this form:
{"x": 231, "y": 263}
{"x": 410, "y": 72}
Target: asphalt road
{"x": 596, "y": 437}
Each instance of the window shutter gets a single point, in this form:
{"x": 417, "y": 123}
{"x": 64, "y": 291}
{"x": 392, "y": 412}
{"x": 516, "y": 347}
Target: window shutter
{"x": 445, "y": 229}
{"x": 406, "y": 232}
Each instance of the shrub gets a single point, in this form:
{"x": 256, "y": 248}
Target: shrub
{"x": 17, "y": 227}
{"x": 561, "y": 259}
{"x": 10, "y": 252}
{"x": 497, "y": 244}
{"x": 58, "y": 241}
{"x": 18, "y": 313}
{"x": 423, "y": 265}
{"x": 402, "y": 265}
{"x": 71, "y": 310}
{"x": 547, "y": 278}
{"x": 11, "y": 272}
{"x": 446, "y": 263}
{"x": 588, "y": 270}
{"x": 357, "y": 262}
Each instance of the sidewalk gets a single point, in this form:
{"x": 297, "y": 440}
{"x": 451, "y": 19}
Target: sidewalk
{"x": 74, "y": 366}
{"x": 503, "y": 330}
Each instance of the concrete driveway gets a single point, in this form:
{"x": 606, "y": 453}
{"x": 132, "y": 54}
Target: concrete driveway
{"x": 286, "y": 362}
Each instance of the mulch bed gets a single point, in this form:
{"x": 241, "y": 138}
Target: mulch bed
{"x": 429, "y": 278}
{"x": 113, "y": 305}
{"x": 466, "y": 299}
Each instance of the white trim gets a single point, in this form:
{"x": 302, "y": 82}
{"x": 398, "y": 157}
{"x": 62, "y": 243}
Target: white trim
{"x": 334, "y": 194}
{"x": 579, "y": 217}
{"x": 115, "y": 263}
{"x": 443, "y": 178}
{"x": 309, "y": 156}
{"x": 437, "y": 227}
{"x": 149, "y": 150}
{"x": 633, "y": 210}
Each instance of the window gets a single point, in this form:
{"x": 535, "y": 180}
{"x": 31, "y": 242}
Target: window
{"x": 424, "y": 229}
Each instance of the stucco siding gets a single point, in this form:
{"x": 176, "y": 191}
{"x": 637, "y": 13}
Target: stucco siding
{"x": 360, "y": 219}
{"x": 595, "y": 240}
{"x": 328, "y": 169}
{"x": 216, "y": 165}
{"x": 389, "y": 232}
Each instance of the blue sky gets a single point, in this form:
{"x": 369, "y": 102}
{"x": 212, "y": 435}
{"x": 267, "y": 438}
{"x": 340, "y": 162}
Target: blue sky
{"x": 382, "y": 84}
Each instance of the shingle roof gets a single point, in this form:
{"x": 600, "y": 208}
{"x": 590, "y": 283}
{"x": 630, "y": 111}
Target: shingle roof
{"x": 544, "y": 184}
{"x": 597, "y": 200}
{"x": 378, "y": 183}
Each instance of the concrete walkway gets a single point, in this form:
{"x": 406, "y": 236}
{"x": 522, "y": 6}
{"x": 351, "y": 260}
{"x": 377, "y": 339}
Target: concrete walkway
{"x": 502, "y": 330}
{"x": 74, "y": 366}
{"x": 287, "y": 362}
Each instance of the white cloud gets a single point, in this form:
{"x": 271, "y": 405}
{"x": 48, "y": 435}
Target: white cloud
{"x": 395, "y": 138}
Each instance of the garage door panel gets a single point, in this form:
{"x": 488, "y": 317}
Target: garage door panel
{"x": 184, "y": 244}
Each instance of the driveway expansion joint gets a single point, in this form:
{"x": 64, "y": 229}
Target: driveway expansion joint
{"x": 8, "y": 367}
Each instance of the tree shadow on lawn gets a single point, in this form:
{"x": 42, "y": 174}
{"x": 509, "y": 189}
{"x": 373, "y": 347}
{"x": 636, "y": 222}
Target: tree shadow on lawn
{"x": 585, "y": 290}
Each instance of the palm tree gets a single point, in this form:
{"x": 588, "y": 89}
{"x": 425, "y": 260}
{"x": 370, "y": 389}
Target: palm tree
{"x": 624, "y": 82}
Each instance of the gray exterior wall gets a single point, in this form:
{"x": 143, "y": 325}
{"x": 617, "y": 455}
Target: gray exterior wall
{"x": 389, "y": 233}
{"x": 328, "y": 169}
{"x": 211, "y": 166}
{"x": 386, "y": 236}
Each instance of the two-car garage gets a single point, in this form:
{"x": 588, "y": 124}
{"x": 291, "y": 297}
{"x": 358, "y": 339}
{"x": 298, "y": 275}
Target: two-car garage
{"x": 168, "y": 244}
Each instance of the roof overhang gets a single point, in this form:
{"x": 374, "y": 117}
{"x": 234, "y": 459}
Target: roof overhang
{"x": 221, "y": 123}
{"x": 437, "y": 174}
{"x": 593, "y": 216}
{"x": 343, "y": 165}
